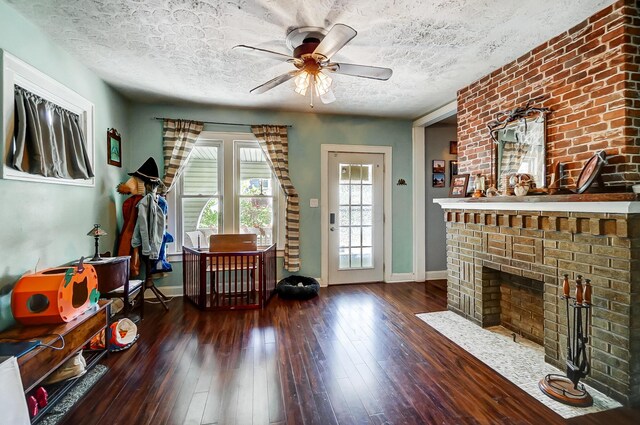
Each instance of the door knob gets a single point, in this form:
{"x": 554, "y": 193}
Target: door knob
{"x": 331, "y": 228}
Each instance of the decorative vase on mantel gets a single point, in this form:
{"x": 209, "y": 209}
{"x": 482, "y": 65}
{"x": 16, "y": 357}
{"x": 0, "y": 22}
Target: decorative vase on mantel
{"x": 521, "y": 189}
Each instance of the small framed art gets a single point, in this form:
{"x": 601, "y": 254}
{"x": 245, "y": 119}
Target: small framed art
{"x": 459, "y": 183}
{"x": 114, "y": 148}
{"x": 438, "y": 180}
{"x": 453, "y": 147}
{"x": 438, "y": 165}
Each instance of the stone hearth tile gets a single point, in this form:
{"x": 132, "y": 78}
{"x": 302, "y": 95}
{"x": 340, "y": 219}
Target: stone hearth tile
{"x": 522, "y": 363}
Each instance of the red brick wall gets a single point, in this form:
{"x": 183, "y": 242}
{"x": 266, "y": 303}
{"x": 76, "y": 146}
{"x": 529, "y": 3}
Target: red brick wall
{"x": 590, "y": 75}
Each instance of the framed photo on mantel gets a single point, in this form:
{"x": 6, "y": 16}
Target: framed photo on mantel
{"x": 459, "y": 184}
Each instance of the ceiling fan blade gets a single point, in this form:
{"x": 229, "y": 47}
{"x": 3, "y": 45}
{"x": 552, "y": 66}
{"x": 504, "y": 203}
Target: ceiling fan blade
{"x": 328, "y": 97}
{"x": 335, "y": 40}
{"x": 365, "y": 71}
{"x": 266, "y": 53}
{"x": 274, "y": 82}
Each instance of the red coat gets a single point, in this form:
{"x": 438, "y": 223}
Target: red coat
{"x": 130, "y": 216}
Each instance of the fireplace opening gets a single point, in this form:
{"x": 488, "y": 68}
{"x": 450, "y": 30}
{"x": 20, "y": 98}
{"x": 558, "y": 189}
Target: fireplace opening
{"x": 514, "y": 302}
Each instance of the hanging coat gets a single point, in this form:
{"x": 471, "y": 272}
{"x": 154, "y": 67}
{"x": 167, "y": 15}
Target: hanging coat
{"x": 150, "y": 225}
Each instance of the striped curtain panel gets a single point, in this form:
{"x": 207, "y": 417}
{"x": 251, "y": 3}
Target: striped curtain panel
{"x": 178, "y": 139}
{"x": 274, "y": 142}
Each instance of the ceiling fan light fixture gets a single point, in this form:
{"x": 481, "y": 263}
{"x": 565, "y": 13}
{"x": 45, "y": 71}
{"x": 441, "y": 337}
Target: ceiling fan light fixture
{"x": 322, "y": 83}
{"x": 302, "y": 82}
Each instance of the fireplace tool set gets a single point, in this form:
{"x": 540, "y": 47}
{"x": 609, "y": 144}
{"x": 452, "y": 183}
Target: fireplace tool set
{"x": 568, "y": 389}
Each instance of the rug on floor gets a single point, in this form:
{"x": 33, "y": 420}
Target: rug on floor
{"x": 67, "y": 402}
{"x": 522, "y": 364}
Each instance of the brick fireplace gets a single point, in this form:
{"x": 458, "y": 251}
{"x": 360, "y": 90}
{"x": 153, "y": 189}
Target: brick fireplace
{"x": 516, "y": 253}
{"x": 505, "y": 259}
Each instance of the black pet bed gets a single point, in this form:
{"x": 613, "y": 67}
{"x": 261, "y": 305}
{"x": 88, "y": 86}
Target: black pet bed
{"x": 288, "y": 288}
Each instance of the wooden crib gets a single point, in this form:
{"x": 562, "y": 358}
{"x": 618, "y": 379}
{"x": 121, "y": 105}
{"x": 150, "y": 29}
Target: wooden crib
{"x": 233, "y": 274}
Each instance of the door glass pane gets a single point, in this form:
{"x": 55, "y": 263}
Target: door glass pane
{"x": 200, "y": 176}
{"x": 355, "y": 194}
{"x": 345, "y": 217}
{"x": 367, "y": 174}
{"x": 367, "y": 215}
{"x": 344, "y": 258}
{"x": 355, "y": 236}
{"x": 367, "y": 257}
{"x": 344, "y": 173}
{"x": 200, "y": 219}
{"x": 344, "y": 194}
{"x": 355, "y": 216}
{"x": 344, "y": 236}
{"x": 366, "y": 235}
{"x": 366, "y": 194}
{"x": 356, "y": 260}
{"x": 356, "y": 212}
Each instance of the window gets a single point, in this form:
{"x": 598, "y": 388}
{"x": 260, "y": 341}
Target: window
{"x": 58, "y": 104}
{"x": 226, "y": 187}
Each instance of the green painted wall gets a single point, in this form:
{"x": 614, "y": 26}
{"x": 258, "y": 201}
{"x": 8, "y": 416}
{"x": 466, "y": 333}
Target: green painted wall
{"x": 46, "y": 224}
{"x": 309, "y": 132}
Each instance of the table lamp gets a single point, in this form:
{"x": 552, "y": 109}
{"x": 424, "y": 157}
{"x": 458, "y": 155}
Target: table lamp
{"x": 96, "y": 232}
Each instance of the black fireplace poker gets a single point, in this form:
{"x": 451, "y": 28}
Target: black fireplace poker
{"x": 568, "y": 389}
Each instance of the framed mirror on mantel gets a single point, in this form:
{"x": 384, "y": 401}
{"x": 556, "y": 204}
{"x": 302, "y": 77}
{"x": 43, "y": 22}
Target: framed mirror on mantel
{"x": 520, "y": 139}
{"x": 520, "y": 149}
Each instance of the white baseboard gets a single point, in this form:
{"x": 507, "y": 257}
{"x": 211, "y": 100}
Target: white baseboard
{"x": 169, "y": 291}
{"x": 401, "y": 277}
{"x": 438, "y": 274}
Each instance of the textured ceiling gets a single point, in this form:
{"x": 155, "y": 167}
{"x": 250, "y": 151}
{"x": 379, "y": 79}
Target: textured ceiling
{"x": 156, "y": 50}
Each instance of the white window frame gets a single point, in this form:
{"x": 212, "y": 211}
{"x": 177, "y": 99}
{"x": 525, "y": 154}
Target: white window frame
{"x": 17, "y": 72}
{"x": 228, "y": 144}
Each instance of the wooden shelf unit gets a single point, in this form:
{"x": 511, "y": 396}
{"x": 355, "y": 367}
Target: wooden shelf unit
{"x": 39, "y": 363}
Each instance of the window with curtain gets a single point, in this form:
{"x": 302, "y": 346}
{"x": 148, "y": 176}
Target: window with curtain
{"x": 48, "y": 128}
{"x": 48, "y": 140}
{"x": 227, "y": 186}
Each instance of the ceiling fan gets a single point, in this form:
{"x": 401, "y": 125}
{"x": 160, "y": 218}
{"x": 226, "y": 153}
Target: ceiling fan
{"x": 313, "y": 49}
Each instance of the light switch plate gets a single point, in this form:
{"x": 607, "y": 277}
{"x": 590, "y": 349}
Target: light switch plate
{"x": 313, "y": 203}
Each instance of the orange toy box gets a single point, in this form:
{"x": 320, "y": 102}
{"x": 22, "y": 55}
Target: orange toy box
{"x": 55, "y": 295}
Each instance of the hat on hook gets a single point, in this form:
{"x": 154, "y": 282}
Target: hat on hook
{"x": 148, "y": 172}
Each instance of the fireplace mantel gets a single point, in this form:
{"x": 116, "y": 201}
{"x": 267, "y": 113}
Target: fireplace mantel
{"x": 559, "y": 203}
{"x": 541, "y": 240}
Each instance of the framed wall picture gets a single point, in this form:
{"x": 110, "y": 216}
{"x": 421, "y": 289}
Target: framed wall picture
{"x": 453, "y": 147}
{"x": 114, "y": 148}
{"x": 453, "y": 170}
{"x": 438, "y": 180}
{"x": 459, "y": 184}
{"x": 438, "y": 165}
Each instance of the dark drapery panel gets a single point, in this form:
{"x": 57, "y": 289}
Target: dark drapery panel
{"x": 48, "y": 139}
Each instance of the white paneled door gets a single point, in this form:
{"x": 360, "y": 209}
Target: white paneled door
{"x": 356, "y": 214}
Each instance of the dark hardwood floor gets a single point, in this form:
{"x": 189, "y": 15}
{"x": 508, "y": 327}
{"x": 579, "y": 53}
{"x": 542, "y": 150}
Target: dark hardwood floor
{"x": 354, "y": 355}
